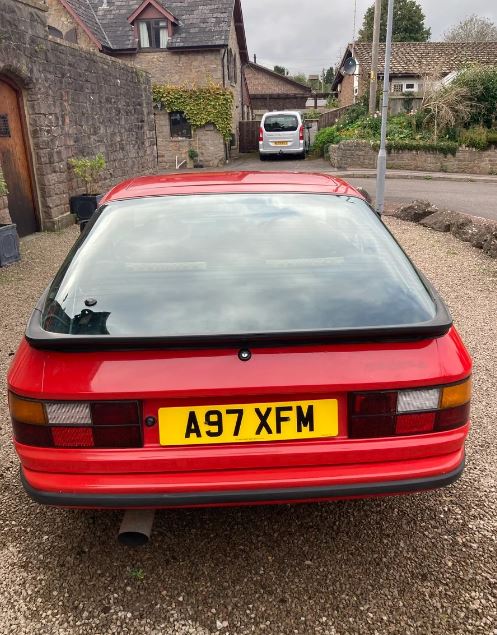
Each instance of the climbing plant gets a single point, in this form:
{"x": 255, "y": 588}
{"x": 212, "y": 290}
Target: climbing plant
{"x": 3, "y": 185}
{"x": 201, "y": 105}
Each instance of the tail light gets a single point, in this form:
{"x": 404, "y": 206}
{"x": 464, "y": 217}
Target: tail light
{"x": 261, "y": 134}
{"x": 407, "y": 412}
{"x": 301, "y": 133}
{"x": 76, "y": 424}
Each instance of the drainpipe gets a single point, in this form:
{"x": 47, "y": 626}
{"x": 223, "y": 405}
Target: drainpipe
{"x": 222, "y": 68}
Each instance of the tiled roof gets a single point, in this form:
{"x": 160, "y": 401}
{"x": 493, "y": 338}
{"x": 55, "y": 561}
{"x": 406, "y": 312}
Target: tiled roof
{"x": 84, "y": 10}
{"x": 201, "y": 23}
{"x": 420, "y": 58}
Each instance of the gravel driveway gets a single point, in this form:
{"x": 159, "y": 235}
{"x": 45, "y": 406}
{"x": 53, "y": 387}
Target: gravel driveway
{"x": 414, "y": 565}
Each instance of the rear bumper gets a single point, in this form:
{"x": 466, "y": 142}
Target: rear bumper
{"x": 240, "y": 487}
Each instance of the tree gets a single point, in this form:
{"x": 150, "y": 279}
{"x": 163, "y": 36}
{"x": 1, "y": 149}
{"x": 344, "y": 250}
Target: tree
{"x": 408, "y": 23}
{"x": 281, "y": 70}
{"x": 472, "y": 29}
{"x": 329, "y": 76}
{"x": 301, "y": 78}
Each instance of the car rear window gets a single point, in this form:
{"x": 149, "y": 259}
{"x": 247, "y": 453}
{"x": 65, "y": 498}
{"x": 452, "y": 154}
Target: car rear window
{"x": 281, "y": 123}
{"x": 235, "y": 264}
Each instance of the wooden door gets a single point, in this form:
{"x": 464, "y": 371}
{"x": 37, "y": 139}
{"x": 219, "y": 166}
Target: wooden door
{"x": 14, "y": 162}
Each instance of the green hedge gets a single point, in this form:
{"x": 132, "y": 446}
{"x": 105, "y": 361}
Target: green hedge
{"x": 443, "y": 147}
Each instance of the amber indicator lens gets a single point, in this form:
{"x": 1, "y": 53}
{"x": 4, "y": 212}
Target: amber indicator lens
{"x": 26, "y": 411}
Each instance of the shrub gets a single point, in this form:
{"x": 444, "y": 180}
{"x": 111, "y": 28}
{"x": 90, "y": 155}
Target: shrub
{"x": 481, "y": 84}
{"x": 325, "y": 137}
{"x": 492, "y": 137}
{"x": 475, "y": 137}
{"x": 312, "y": 114}
{"x": 88, "y": 169}
{"x": 192, "y": 154}
{"x": 443, "y": 147}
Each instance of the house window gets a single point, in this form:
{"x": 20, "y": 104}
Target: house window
{"x": 152, "y": 34}
{"x": 54, "y": 32}
{"x": 410, "y": 86}
{"x": 398, "y": 88}
{"x": 180, "y": 126}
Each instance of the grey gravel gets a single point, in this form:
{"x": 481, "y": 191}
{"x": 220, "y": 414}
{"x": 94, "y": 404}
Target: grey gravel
{"x": 408, "y": 565}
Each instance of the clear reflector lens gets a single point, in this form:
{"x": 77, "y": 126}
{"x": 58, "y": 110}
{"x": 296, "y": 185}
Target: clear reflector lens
{"x": 414, "y": 400}
{"x": 69, "y": 413}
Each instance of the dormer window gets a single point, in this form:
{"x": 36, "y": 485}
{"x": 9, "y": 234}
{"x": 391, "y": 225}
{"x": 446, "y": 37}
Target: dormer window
{"x": 152, "y": 34}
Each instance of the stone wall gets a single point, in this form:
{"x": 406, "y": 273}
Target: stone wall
{"x": 61, "y": 19}
{"x": 77, "y": 103}
{"x": 207, "y": 141}
{"x": 189, "y": 68}
{"x": 360, "y": 154}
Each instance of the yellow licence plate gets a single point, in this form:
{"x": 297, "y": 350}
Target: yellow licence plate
{"x": 244, "y": 423}
{"x": 280, "y": 143}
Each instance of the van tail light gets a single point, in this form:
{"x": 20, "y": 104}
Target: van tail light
{"x": 406, "y": 412}
{"x": 261, "y": 134}
{"x": 76, "y": 424}
{"x": 301, "y": 133}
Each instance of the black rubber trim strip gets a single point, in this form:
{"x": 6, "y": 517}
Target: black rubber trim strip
{"x": 125, "y": 501}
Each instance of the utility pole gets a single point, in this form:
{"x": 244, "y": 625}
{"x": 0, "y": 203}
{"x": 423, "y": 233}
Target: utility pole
{"x": 381, "y": 169}
{"x": 374, "y": 58}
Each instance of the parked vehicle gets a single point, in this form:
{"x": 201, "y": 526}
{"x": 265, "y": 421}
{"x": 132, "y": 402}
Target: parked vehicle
{"x": 283, "y": 133}
{"x": 237, "y": 338}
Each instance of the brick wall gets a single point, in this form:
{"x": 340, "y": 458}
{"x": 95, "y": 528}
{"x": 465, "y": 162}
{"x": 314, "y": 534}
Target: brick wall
{"x": 77, "y": 103}
{"x": 360, "y": 154}
{"x": 207, "y": 141}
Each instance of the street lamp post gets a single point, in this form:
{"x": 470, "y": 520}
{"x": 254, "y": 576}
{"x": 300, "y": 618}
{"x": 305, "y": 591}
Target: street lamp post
{"x": 382, "y": 154}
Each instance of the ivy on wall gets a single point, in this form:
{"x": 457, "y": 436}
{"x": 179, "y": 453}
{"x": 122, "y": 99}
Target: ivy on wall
{"x": 201, "y": 105}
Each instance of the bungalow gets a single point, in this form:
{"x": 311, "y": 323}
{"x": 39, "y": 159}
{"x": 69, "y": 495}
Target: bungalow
{"x": 179, "y": 43}
{"x": 411, "y": 64}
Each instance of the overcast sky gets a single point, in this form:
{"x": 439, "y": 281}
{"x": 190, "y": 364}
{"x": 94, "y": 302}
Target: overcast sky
{"x": 308, "y": 35}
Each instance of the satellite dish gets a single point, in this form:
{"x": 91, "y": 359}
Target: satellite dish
{"x": 350, "y": 66}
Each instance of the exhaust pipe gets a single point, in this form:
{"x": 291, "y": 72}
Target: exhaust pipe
{"x": 136, "y": 527}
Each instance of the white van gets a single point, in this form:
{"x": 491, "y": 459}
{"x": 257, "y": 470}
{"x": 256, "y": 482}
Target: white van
{"x": 283, "y": 133}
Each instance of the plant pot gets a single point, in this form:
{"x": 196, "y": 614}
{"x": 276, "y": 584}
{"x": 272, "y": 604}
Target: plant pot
{"x": 9, "y": 245}
{"x": 84, "y": 205}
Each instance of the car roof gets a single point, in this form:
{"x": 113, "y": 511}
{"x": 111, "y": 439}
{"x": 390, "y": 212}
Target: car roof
{"x": 230, "y": 182}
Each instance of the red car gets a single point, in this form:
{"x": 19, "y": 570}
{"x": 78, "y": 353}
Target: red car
{"x": 237, "y": 338}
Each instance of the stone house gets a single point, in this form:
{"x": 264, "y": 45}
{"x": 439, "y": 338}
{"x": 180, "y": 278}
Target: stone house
{"x": 178, "y": 43}
{"x": 59, "y": 100}
{"x": 411, "y": 65}
{"x": 271, "y": 91}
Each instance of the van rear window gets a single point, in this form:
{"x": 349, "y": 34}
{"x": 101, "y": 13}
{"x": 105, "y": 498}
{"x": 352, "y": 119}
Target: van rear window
{"x": 281, "y": 123}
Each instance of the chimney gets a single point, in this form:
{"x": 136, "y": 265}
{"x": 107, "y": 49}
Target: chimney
{"x": 255, "y": 58}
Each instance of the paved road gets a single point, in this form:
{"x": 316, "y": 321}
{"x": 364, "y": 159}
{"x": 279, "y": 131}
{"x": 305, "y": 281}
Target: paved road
{"x": 477, "y": 198}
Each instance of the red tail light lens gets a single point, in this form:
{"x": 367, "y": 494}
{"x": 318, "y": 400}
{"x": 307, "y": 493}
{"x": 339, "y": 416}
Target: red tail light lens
{"x": 408, "y": 412}
{"x": 73, "y": 424}
{"x": 301, "y": 133}
{"x": 261, "y": 134}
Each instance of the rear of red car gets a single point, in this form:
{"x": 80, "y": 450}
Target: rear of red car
{"x": 264, "y": 373}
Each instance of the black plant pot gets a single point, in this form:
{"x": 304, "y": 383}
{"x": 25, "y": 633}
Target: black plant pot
{"x": 9, "y": 245}
{"x": 84, "y": 206}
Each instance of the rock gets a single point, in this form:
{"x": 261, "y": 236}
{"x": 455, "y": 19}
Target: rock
{"x": 463, "y": 228}
{"x": 415, "y": 211}
{"x": 441, "y": 221}
{"x": 490, "y": 245}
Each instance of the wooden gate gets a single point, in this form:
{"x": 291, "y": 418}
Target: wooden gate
{"x": 14, "y": 161}
{"x": 249, "y": 136}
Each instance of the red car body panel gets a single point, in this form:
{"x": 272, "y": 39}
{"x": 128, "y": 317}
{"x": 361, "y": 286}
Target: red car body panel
{"x": 159, "y": 378}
